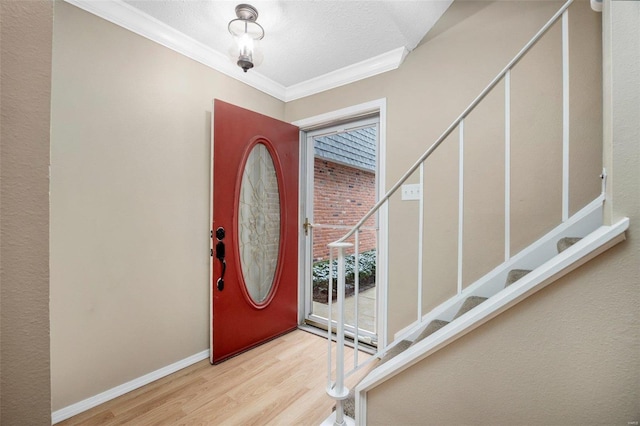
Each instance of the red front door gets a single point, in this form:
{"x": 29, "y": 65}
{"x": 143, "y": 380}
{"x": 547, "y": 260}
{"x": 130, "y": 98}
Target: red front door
{"x": 255, "y": 229}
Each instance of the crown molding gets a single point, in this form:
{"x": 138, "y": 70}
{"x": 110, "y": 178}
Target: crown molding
{"x": 359, "y": 71}
{"x": 132, "y": 19}
{"x": 126, "y": 16}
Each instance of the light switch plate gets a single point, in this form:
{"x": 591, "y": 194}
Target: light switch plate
{"x": 411, "y": 191}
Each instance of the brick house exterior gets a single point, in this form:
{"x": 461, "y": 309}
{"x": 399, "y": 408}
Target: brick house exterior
{"x": 343, "y": 192}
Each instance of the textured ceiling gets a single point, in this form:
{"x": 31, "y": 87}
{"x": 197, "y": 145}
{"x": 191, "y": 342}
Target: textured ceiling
{"x": 305, "y": 39}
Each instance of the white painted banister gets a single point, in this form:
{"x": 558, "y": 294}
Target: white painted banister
{"x": 336, "y": 388}
{"x": 507, "y": 165}
{"x": 460, "y": 202}
{"x": 356, "y": 291}
{"x": 565, "y": 115}
{"x": 455, "y": 122}
{"x": 420, "y": 239}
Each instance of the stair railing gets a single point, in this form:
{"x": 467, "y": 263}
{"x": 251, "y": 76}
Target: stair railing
{"x": 336, "y": 388}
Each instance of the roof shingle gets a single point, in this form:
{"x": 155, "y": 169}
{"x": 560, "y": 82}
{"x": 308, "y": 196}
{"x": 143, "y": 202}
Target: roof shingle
{"x": 355, "y": 148}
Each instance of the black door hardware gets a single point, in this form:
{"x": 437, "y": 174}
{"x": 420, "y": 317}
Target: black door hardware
{"x": 220, "y": 253}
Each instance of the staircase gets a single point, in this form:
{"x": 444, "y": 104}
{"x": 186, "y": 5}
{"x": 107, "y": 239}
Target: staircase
{"x": 469, "y": 303}
{"x": 461, "y": 314}
{"x": 572, "y": 242}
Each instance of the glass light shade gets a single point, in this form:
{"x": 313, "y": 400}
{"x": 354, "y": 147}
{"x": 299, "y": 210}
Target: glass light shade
{"x": 246, "y": 36}
{"x": 244, "y": 48}
{"x": 238, "y": 27}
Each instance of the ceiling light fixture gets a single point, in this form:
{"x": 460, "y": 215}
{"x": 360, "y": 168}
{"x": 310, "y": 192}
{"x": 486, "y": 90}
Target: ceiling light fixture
{"x": 246, "y": 34}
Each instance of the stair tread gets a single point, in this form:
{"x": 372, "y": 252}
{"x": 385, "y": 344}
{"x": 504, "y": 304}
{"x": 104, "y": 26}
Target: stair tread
{"x": 515, "y": 275}
{"x": 394, "y": 351}
{"x": 566, "y": 242}
{"x": 469, "y": 303}
{"x": 431, "y": 328}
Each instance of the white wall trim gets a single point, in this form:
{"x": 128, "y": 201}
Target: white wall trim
{"x": 127, "y": 16}
{"x": 101, "y": 398}
{"x": 376, "y": 106}
{"x": 368, "y": 68}
{"x": 343, "y": 113}
{"x": 383, "y": 233}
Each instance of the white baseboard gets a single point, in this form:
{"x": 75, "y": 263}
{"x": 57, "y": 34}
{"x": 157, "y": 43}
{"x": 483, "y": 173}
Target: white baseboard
{"x": 101, "y": 398}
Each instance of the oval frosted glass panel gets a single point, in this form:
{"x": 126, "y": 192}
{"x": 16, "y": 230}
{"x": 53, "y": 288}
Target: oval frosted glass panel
{"x": 259, "y": 223}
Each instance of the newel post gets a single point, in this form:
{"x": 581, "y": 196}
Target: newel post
{"x": 338, "y": 391}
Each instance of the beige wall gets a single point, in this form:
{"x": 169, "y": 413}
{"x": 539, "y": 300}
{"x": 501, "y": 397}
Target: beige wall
{"x": 130, "y": 154}
{"x": 570, "y": 353}
{"x": 130, "y": 164}
{"x": 471, "y": 43}
{"x": 25, "y": 87}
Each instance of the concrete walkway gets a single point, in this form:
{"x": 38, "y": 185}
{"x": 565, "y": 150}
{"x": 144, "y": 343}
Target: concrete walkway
{"x": 366, "y": 310}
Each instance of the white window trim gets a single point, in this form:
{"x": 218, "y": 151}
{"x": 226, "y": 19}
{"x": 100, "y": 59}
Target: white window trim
{"x": 327, "y": 119}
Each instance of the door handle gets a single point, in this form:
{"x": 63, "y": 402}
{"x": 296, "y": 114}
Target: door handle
{"x": 220, "y": 249}
{"x": 307, "y": 225}
{"x": 220, "y": 254}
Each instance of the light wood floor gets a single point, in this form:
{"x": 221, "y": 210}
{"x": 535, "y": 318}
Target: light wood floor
{"x": 280, "y": 383}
